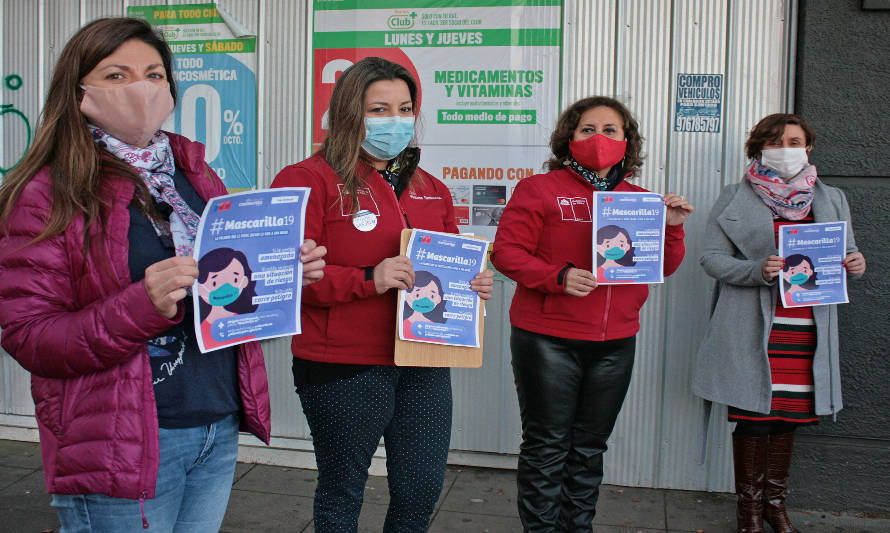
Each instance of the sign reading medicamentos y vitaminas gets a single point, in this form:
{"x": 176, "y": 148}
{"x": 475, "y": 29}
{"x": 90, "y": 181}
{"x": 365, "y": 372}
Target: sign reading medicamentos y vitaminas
{"x": 489, "y": 81}
{"x": 215, "y": 73}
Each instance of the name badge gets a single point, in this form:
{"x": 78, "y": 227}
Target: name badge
{"x": 364, "y": 220}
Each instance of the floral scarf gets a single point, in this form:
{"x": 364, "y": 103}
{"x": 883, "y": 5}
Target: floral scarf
{"x": 790, "y": 199}
{"x": 156, "y": 167}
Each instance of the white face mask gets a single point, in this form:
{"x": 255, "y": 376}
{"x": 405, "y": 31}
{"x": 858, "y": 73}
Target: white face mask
{"x": 787, "y": 162}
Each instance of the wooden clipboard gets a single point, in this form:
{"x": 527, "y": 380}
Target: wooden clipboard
{"x": 410, "y": 353}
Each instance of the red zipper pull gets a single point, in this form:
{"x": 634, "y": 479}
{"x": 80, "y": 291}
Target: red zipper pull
{"x": 142, "y": 510}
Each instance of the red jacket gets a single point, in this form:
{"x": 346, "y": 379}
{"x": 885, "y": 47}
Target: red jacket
{"x": 80, "y": 326}
{"x": 537, "y": 237}
{"x": 344, "y": 320}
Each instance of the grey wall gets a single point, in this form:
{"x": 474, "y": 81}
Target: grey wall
{"x": 843, "y": 71}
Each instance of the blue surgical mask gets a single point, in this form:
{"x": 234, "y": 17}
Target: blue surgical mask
{"x": 614, "y": 253}
{"x": 224, "y": 295}
{"x": 386, "y": 137}
{"x": 423, "y": 305}
{"x": 799, "y": 279}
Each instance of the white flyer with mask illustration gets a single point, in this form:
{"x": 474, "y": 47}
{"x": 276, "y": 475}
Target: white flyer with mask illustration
{"x": 441, "y": 307}
{"x": 628, "y": 237}
{"x": 249, "y": 282}
{"x": 813, "y": 273}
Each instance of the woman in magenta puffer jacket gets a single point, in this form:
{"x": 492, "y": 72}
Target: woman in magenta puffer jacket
{"x": 138, "y": 429}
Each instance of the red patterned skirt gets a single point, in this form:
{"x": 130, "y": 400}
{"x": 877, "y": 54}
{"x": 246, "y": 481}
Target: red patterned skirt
{"x": 791, "y": 345}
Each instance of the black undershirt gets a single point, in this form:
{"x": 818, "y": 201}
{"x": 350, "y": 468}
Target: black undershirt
{"x": 191, "y": 389}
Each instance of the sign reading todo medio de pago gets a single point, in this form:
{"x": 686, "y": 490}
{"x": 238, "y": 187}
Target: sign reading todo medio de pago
{"x": 489, "y": 73}
{"x": 215, "y": 74}
{"x": 699, "y": 103}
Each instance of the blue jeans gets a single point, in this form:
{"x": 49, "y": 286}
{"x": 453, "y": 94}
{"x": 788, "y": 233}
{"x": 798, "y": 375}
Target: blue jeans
{"x": 411, "y": 409}
{"x": 197, "y": 466}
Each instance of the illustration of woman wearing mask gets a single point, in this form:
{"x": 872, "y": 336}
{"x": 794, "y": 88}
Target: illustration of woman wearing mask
{"x": 799, "y": 274}
{"x": 424, "y": 302}
{"x": 226, "y": 289}
{"x": 614, "y": 248}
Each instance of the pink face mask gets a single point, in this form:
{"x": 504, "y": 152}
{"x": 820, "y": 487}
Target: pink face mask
{"x": 131, "y": 113}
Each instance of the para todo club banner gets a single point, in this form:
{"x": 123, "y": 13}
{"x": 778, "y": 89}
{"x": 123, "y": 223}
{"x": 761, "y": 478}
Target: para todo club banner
{"x": 489, "y": 79}
{"x": 215, "y": 73}
{"x": 628, "y": 239}
{"x": 814, "y": 272}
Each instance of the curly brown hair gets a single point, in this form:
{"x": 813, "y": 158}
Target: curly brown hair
{"x": 568, "y": 121}
{"x": 771, "y": 128}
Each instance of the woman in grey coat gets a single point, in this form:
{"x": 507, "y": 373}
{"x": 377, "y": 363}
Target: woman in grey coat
{"x": 775, "y": 367}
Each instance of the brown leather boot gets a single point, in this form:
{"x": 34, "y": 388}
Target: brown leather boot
{"x": 749, "y": 458}
{"x": 776, "y": 488}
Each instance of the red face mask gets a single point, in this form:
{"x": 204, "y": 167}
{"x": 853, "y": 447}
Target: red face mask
{"x": 598, "y": 152}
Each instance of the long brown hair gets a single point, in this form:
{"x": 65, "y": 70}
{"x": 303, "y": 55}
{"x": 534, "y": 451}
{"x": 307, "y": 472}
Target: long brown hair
{"x": 771, "y": 128}
{"x": 64, "y": 143}
{"x": 346, "y": 120}
{"x": 568, "y": 121}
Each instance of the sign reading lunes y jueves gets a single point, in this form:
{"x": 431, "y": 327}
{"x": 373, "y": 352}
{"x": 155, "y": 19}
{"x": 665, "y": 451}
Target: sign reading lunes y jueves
{"x": 489, "y": 76}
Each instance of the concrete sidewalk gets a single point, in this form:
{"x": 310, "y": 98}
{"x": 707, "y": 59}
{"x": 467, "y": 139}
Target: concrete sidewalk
{"x": 273, "y": 498}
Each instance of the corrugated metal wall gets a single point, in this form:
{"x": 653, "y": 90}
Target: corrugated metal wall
{"x": 632, "y": 49}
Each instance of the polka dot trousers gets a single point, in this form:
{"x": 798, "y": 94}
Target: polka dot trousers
{"x": 411, "y": 409}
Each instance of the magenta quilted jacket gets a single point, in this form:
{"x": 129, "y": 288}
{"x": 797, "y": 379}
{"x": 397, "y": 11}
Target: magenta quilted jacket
{"x": 80, "y": 326}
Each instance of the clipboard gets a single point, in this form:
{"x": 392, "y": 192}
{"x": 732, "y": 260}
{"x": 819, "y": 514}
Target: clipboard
{"x": 409, "y": 353}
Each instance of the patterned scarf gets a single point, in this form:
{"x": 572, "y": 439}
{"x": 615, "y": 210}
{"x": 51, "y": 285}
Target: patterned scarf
{"x": 790, "y": 199}
{"x": 391, "y": 174}
{"x": 156, "y": 167}
{"x": 604, "y": 184}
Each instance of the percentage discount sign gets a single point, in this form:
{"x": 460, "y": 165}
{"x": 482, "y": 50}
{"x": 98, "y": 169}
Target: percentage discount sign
{"x": 235, "y": 126}
{"x": 221, "y": 114}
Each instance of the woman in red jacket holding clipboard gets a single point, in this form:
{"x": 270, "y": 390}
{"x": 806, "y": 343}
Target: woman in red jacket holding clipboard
{"x": 572, "y": 341}
{"x": 366, "y": 188}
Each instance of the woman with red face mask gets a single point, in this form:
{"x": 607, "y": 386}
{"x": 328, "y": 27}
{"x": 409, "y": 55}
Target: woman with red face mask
{"x": 572, "y": 341}
{"x": 138, "y": 429}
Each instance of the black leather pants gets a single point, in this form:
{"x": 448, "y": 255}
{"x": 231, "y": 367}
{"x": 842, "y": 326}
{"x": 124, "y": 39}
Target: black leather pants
{"x": 570, "y": 393}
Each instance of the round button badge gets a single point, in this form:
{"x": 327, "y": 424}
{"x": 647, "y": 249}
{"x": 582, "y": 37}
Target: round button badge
{"x": 364, "y": 220}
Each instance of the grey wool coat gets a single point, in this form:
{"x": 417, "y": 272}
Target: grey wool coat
{"x": 732, "y": 366}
